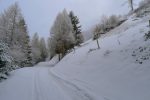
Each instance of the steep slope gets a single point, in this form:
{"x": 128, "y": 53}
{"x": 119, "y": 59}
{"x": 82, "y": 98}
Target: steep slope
{"x": 118, "y": 71}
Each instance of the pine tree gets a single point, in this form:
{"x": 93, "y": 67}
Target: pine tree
{"x": 76, "y": 28}
{"x": 6, "y": 64}
{"x": 25, "y": 42}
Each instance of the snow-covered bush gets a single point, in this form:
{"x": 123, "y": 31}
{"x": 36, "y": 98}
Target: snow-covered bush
{"x": 108, "y": 23}
{"x": 143, "y": 9}
{"x": 147, "y": 36}
{"x": 143, "y": 2}
{"x": 6, "y": 61}
{"x": 141, "y": 54}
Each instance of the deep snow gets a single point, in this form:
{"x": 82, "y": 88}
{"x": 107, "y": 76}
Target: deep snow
{"x": 111, "y": 73}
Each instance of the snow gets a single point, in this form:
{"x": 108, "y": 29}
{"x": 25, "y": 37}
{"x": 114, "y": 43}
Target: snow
{"x": 111, "y": 73}
{"x": 50, "y": 63}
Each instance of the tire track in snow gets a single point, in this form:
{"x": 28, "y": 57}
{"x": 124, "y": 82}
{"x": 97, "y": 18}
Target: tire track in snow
{"x": 37, "y": 90}
{"x": 36, "y": 87}
{"x": 45, "y": 87}
{"x": 77, "y": 92}
{"x": 41, "y": 85}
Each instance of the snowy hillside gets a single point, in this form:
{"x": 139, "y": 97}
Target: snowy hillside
{"x": 120, "y": 70}
{"x": 112, "y": 72}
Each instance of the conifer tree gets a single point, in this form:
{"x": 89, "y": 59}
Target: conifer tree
{"x": 76, "y": 28}
{"x": 13, "y": 31}
{"x": 6, "y": 64}
{"x": 25, "y": 43}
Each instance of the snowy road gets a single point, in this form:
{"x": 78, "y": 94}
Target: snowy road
{"x": 39, "y": 83}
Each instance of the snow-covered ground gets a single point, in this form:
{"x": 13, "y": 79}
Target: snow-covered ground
{"x": 117, "y": 71}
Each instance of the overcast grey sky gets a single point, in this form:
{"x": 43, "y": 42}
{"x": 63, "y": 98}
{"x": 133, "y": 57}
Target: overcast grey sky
{"x": 40, "y": 14}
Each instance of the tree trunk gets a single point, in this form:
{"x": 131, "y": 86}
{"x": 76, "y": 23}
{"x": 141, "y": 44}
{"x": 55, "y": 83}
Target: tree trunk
{"x": 59, "y": 57}
{"x": 98, "y": 44}
{"x": 132, "y": 5}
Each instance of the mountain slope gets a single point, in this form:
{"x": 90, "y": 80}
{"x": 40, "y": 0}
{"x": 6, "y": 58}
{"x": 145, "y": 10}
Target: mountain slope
{"x": 116, "y": 71}
{"x": 120, "y": 70}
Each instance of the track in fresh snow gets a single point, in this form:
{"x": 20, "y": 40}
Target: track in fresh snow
{"x": 40, "y": 83}
{"x": 72, "y": 89}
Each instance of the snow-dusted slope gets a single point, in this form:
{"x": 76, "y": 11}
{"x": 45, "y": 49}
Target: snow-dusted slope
{"x": 113, "y": 72}
{"x": 118, "y": 71}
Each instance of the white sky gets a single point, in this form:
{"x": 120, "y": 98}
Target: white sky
{"x": 40, "y": 14}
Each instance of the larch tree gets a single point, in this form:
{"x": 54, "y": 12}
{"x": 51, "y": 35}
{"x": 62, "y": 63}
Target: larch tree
{"x": 131, "y": 4}
{"x": 43, "y": 49}
{"x": 51, "y": 52}
{"x": 96, "y": 36}
{"x": 62, "y": 37}
{"x": 9, "y": 19}
{"x": 35, "y": 43}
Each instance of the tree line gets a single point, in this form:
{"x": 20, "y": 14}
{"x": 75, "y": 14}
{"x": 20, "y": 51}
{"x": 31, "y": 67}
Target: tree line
{"x": 18, "y": 50}
{"x": 65, "y": 34}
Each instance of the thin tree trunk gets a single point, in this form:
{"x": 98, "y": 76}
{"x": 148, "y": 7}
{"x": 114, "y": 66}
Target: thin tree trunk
{"x": 59, "y": 57}
{"x": 98, "y": 44}
{"x": 118, "y": 41}
{"x": 13, "y": 28}
{"x": 132, "y": 5}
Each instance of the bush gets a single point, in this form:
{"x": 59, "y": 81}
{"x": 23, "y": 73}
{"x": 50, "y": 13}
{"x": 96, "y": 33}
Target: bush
{"x": 147, "y": 36}
{"x": 108, "y": 23}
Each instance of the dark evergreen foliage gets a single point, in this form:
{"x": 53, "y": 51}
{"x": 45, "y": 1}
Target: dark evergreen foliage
{"x": 76, "y": 28}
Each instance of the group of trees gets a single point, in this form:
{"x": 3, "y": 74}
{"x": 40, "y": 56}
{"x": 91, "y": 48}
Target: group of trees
{"x": 141, "y": 4}
{"x": 15, "y": 41}
{"x": 144, "y": 2}
{"x": 65, "y": 34}
{"x": 106, "y": 24}
{"x": 13, "y": 31}
{"x": 39, "y": 49}
{"x": 16, "y": 49}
